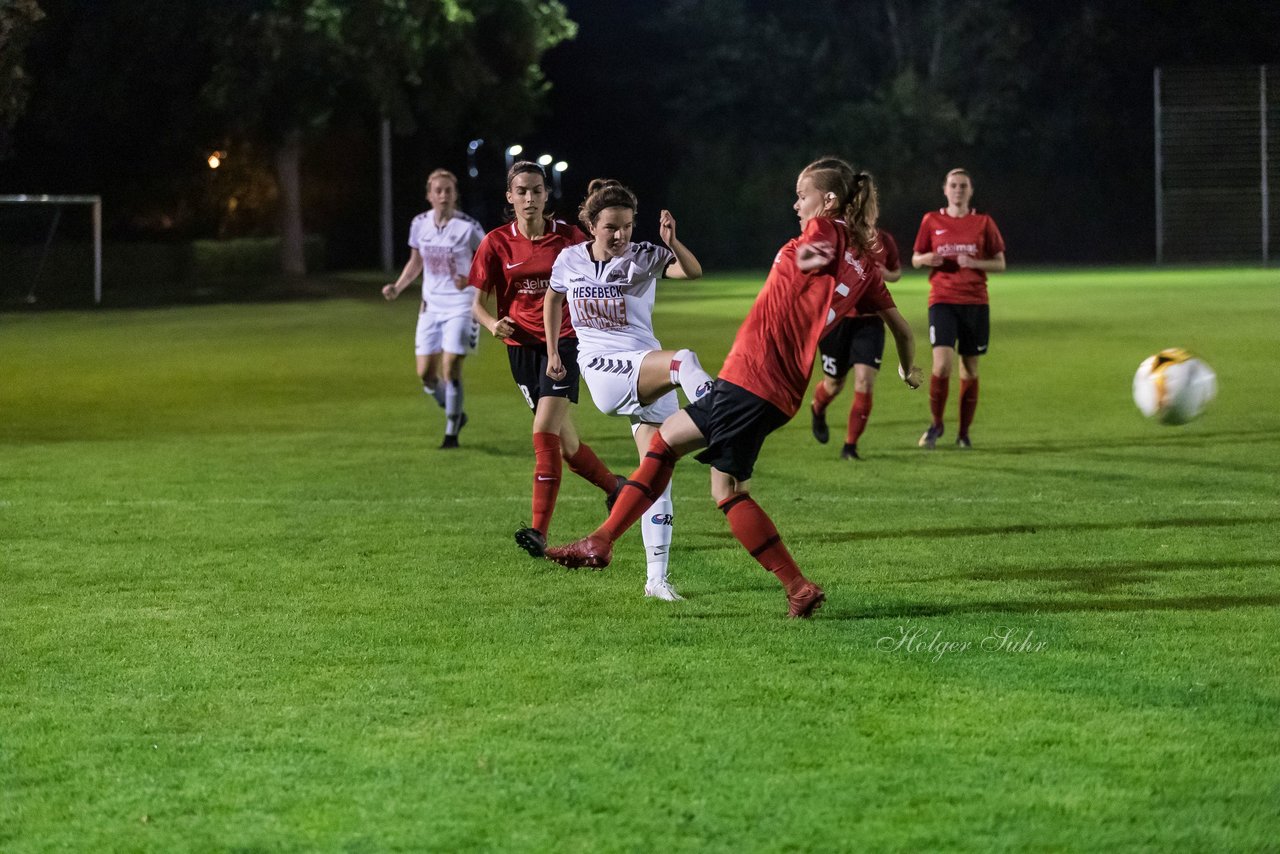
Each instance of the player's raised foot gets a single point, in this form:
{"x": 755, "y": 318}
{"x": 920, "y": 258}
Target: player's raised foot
{"x": 532, "y": 540}
{"x": 590, "y": 552}
{"x": 612, "y": 497}
{"x": 662, "y": 590}
{"x": 804, "y": 600}
{"x": 964, "y": 444}
{"x": 850, "y": 452}
{"x": 449, "y": 442}
{"x": 931, "y": 436}
{"x": 820, "y": 430}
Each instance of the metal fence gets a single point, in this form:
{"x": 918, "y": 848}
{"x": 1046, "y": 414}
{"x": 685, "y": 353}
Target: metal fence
{"x": 1215, "y": 163}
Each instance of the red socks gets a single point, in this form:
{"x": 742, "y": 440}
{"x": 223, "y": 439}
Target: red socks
{"x": 643, "y": 487}
{"x": 968, "y": 404}
{"x": 821, "y": 398}
{"x": 546, "y": 478}
{"x": 586, "y": 465}
{"x": 858, "y": 416}
{"x": 755, "y": 530}
{"x": 938, "y": 387}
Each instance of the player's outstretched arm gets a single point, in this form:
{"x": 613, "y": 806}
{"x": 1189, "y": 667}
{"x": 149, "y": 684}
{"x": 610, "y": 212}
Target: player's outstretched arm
{"x": 412, "y": 268}
{"x": 552, "y": 312}
{"x": 815, "y": 255}
{"x": 905, "y": 341}
{"x": 686, "y": 265}
{"x": 503, "y": 328}
{"x": 994, "y": 264}
{"x": 925, "y": 259}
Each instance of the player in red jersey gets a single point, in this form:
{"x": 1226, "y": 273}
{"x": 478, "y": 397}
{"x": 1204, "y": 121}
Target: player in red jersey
{"x": 858, "y": 343}
{"x": 513, "y": 264}
{"x": 962, "y": 246}
{"x": 824, "y": 274}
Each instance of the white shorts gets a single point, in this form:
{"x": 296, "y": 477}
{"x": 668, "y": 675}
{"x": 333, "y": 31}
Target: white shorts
{"x": 612, "y": 377}
{"x": 458, "y": 334}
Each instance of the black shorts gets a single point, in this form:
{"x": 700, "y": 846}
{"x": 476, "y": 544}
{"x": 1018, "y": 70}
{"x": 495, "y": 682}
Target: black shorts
{"x": 968, "y": 324}
{"x": 854, "y": 341}
{"x": 735, "y": 423}
{"x": 529, "y": 370}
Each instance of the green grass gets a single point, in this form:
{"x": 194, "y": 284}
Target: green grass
{"x": 246, "y": 605}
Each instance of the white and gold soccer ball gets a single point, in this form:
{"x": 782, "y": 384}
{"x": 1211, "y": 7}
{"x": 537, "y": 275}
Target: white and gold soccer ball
{"x": 1173, "y": 386}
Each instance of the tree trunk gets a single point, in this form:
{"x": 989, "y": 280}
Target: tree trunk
{"x": 289, "y": 178}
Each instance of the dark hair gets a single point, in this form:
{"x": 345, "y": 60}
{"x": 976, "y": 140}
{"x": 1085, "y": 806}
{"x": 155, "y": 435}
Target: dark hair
{"x": 522, "y": 166}
{"x": 605, "y": 193}
{"x": 856, "y": 195}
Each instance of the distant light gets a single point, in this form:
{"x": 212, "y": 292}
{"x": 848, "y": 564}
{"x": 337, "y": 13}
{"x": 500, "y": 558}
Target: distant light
{"x": 215, "y": 159}
{"x": 513, "y": 150}
{"x": 545, "y": 160}
{"x": 474, "y": 144}
{"x": 561, "y": 166}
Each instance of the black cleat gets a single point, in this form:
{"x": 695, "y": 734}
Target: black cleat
{"x": 820, "y": 431}
{"x": 449, "y": 442}
{"x": 850, "y": 452}
{"x": 964, "y": 444}
{"x": 532, "y": 540}
{"x": 931, "y": 436}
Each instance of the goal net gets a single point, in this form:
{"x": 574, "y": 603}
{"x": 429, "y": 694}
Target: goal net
{"x": 50, "y": 249}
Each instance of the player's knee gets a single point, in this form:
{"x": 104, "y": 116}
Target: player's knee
{"x": 833, "y": 385}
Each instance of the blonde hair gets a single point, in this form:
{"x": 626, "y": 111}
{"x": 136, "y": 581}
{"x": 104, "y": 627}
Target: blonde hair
{"x": 605, "y": 193}
{"x": 442, "y": 173}
{"x": 856, "y": 196}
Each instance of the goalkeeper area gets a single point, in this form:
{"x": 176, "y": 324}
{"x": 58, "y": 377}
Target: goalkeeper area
{"x": 50, "y": 250}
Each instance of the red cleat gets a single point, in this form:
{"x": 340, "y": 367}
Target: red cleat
{"x": 804, "y": 600}
{"x": 591, "y": 552}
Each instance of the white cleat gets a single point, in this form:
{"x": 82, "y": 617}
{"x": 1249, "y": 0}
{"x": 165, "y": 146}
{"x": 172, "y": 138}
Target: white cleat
{"x": 662, "y": 590}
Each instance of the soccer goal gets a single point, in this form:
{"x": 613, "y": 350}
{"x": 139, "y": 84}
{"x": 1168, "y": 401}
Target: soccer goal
{"x": 28, "y": 252}
{"x": 1216, "y": 163}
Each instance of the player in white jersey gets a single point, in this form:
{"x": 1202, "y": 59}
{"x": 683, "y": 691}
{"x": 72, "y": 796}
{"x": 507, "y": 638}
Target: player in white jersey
{"x": 443, "y": 240}
{"x": 610, "y": 284}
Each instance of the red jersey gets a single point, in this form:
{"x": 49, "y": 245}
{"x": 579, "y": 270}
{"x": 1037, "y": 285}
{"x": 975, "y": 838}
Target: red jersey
{"x": 772, "y": 354}
{"x": 886, "y": 254}
{"x": 517, "y": 270}
{"x": 949, "y": 236}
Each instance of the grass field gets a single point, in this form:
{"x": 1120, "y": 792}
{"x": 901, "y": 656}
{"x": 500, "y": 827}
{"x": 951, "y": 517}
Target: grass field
{"x": 247, "y": 605}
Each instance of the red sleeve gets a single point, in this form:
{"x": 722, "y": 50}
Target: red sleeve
{"x": 993, "y": 238}
{"x": 486, "y": 270}
{"x": 892, "y": 259}
{"x": 923, "y": 243}
{"x": 822, "y": 228}
{"x": 875, "y": 298}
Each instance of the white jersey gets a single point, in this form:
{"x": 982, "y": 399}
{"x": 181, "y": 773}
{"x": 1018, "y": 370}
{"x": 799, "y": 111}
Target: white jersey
{"x": 446, "y": 252}
{"x": 611, "y": 302}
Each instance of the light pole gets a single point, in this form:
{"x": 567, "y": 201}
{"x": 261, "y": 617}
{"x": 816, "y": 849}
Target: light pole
{"x": 512, "y": 152}
{"x": 557, "y": 171}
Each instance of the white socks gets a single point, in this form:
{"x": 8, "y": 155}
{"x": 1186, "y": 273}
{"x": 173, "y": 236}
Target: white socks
{"x": 687, "y": 372}
{"x": 436, "y": 391}
{"x": 452, "y": 406}
{"x": 655, "y": 528}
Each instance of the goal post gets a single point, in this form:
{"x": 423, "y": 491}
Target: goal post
{"x": 95, "y": 202}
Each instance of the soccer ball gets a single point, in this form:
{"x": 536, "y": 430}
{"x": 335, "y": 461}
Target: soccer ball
{"x": 1173, "y": 386}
